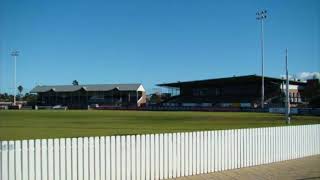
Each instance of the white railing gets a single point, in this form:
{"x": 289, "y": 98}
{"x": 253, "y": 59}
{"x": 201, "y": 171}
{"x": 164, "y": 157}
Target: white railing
{"x": 154, "y": 156}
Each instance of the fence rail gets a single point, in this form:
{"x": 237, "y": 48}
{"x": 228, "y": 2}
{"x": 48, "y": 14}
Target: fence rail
{"x": 154, "y": 156}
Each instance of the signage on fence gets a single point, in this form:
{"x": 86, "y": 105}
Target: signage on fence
{"x": 283, "y": 110}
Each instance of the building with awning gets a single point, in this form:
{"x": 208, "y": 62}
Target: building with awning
{"x": 239, "y": 91}
{"x": 80, "y": 96}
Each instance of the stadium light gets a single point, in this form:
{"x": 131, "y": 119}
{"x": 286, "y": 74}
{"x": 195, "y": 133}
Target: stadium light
{"x": 14, "y": 54}
{"x": 261, "y": 15}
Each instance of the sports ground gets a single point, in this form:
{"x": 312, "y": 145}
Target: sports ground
{"x": 28, "y": 124}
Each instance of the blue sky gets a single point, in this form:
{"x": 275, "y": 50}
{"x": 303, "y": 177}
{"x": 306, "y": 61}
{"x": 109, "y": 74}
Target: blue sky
{"x": 153, "y": 41}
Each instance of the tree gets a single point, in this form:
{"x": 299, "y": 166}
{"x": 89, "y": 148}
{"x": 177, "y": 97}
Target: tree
{"x": 157, "y": 98}
{"x": 20, "y": 89}
{"x": 30, "y": 98}
{"x": 6, "y": 97}
{"x": 75, "y": 83}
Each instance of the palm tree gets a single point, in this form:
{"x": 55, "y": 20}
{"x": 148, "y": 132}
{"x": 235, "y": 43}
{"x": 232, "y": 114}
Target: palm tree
{"x": 75, "y": 83}
{"x": 20, "y": 89}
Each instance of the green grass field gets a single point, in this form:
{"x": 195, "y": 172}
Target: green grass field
{"x": 52, "y": 124}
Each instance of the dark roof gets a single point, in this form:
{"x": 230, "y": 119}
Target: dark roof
{"x": 92, "y": 87}
{"x": 234, "y": 79}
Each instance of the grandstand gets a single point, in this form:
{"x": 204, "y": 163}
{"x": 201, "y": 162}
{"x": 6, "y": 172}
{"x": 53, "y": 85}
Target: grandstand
{"x": 236, "y": 91}
{"x": 81, "y": 96}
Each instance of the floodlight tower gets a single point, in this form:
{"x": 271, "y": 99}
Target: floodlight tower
{"x": 261, "y": 16}
{"x": 14, "y": 54}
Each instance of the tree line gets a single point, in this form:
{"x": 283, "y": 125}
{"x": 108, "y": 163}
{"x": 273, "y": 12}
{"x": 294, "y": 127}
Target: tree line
{"x": 30, "y": 98}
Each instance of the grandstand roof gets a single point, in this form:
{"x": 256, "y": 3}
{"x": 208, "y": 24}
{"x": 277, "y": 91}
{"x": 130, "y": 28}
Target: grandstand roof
{"x": 234, "y": 79}
{"x": 92, "y": 87}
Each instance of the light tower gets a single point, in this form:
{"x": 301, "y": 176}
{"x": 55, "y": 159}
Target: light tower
{"x": 261, "y": 16}
{"x": 14, "y": 54}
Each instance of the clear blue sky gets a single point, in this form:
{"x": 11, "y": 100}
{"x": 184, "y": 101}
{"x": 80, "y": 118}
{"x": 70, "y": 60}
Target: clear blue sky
{"x": 153, "y": 41}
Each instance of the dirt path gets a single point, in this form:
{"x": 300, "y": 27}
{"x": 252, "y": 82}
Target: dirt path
{"x": 299, "y": 169}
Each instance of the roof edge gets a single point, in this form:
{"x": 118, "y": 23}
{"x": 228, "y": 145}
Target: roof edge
{"x": 227, "y": 78}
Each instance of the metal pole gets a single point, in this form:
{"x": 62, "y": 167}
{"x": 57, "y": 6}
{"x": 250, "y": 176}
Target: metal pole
{"x": 262, "y": 66}
{"x": 287, "y": 91}
{"x": 15, "y": 80}
{"x": 261, "y": 15}
{"x": 15, "y": 53}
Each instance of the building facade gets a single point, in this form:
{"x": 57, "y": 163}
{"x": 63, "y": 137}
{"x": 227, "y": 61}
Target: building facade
{"x": 241, "y": 91}
{"x": 81, "y": 96}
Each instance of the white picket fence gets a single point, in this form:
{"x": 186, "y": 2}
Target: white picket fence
{"x": 154, "y": 156}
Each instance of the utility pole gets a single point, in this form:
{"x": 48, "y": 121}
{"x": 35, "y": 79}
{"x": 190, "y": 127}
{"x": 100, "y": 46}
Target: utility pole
{"x": 14, "y": 54}
{"x": 287, "y": 91}
{"x": 261, "y": 15}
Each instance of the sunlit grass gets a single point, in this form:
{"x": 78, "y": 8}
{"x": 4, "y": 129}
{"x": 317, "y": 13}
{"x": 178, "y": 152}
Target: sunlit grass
{"x": 54, "y": 124}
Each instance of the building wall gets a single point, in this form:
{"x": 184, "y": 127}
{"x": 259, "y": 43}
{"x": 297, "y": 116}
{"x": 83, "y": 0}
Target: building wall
{"x": 142, "y": 99}
{"x": 252, "y": 90}
{"x": 83, "y": 98}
